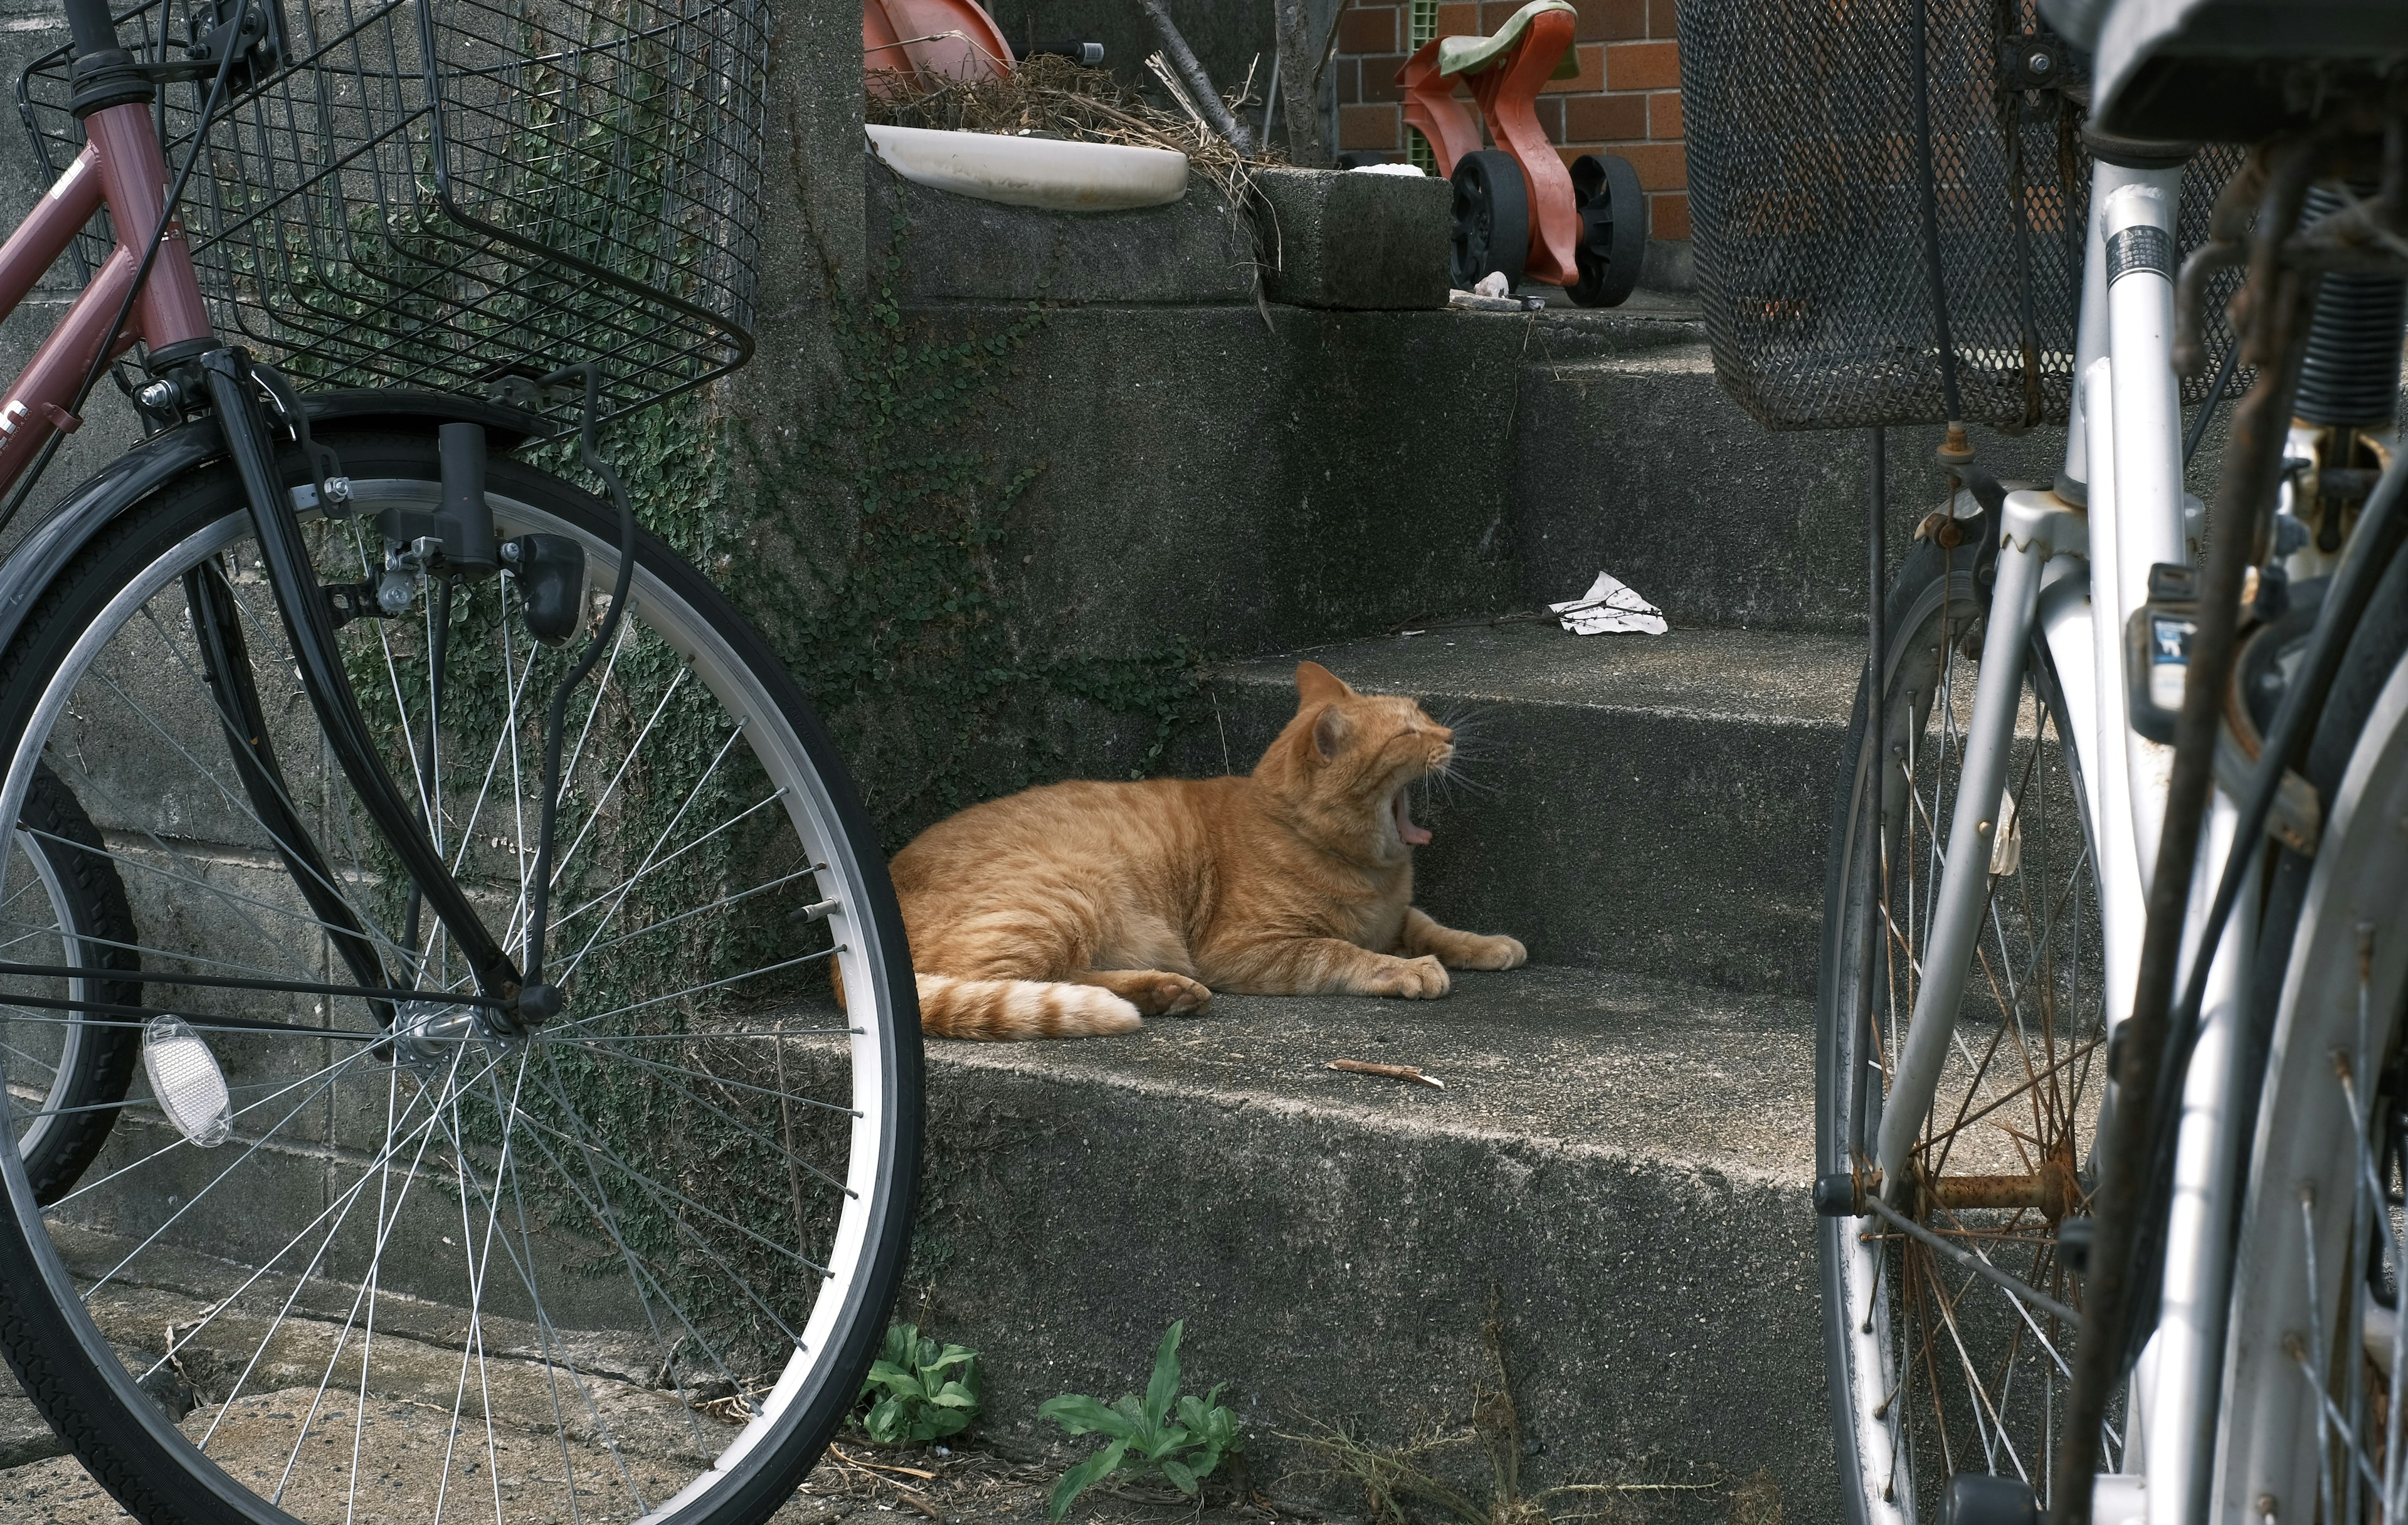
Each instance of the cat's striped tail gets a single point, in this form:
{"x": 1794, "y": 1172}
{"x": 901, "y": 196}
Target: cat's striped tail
{"x": 1005, "y": 1011}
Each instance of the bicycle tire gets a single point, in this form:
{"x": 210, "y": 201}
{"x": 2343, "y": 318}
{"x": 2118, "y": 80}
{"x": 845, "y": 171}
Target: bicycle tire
{"x": 2311, "y": 979}
{"x": 1899, "y": 1442}
{"x": 705, "y": 1412}
{"x": 88, "y": 925}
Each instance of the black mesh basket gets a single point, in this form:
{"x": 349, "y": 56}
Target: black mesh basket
{"x": 445, "y": 192}
{"x": 1809, "y": 225}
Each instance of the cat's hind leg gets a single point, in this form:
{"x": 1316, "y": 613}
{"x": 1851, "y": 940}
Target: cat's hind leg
{"x": 1154, "y": 992}
{"x": 1458, "y": 950}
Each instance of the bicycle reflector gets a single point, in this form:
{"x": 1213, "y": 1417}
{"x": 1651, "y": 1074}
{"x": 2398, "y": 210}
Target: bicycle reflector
{"x": 186, "y": 1081}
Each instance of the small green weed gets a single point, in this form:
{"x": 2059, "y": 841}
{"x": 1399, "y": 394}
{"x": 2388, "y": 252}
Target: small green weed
{"x": 923, "y": 1391}
{"x": 1178, "y": 1435}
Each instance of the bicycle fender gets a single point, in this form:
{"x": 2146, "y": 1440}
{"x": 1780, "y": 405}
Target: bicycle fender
{"x": 152, "y": 465}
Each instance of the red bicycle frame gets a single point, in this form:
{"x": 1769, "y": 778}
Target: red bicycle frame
{"x": 122, "y": 168}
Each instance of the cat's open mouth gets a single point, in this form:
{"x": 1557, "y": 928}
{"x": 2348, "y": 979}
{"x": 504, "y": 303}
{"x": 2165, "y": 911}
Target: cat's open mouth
{"x": 1414, "y": 836}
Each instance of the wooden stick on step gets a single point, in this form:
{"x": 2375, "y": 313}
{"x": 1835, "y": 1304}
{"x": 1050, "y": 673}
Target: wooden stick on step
{"x": 1393, "y": 1072}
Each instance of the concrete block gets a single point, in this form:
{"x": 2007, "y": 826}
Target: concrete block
{"x": 956, "y": 249}
{"x": 1200, "y": 478}
{"x": 1336, "y": 239}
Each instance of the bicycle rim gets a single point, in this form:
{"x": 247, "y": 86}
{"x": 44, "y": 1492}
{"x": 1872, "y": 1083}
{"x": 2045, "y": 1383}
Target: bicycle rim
{"x": 630, "y": 1266}
{"x": 1936, "y": 1370}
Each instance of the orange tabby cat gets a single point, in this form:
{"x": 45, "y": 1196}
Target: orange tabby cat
{"x": 1076, "y": 908}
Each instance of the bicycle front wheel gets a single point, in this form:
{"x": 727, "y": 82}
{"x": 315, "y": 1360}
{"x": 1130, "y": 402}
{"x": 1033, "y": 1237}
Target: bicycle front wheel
{"x": 1934, "y": 1369}
{"x": 2315, "y": 1383}
{"x": 409, "y": 1265}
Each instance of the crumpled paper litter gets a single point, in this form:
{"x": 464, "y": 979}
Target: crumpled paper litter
{"x": 1610, "y": 606}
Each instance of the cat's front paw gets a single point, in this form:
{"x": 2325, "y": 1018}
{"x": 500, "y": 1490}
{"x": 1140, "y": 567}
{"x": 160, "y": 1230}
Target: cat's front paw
{"x": 1414, "y": 979}
{"x": 1498, "y": 952}
{"x": 1174, "y": 995}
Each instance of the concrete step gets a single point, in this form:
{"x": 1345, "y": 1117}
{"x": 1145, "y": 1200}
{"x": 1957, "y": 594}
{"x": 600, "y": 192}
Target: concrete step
{"x": 1616, "y": 1170}
{"x": 1650, "y": 804}
{"x": 1628, "y": 456}
{"x": 1614, "y": 1173}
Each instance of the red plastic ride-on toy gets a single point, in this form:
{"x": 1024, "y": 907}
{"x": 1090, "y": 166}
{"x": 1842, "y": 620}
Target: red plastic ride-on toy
{"x": 1517, "y": 209}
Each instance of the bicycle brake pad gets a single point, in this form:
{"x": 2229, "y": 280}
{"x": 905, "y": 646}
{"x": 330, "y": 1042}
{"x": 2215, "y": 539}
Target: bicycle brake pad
{"x": 551, "y": 570}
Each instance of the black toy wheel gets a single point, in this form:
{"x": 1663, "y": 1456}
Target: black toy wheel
{"x": 1613, "y": 229}
{"x": 1491, "y": 218}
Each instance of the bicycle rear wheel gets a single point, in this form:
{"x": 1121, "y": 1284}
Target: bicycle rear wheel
{"x": 633, "y": 1264}
{"x": 64, "y": 906}
{"x": 1933, "y": 1369}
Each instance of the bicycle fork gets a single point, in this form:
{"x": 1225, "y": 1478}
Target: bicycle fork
{"x": 310, "y": 625}
{"x": 2035, "y": 526}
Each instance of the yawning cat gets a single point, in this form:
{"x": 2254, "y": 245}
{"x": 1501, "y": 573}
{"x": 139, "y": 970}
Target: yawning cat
{"x": 1074, "y": 909}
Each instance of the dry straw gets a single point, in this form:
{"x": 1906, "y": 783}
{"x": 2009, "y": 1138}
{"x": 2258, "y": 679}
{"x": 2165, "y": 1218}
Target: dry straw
{"x": 1053, "y": 97}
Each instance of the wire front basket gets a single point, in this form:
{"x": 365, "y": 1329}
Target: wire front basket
{"x": 1803, "y": 189}
{"x": 445, "y": 194}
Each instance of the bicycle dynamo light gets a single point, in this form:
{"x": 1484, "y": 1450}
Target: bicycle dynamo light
{"x": 185, "y": 1078}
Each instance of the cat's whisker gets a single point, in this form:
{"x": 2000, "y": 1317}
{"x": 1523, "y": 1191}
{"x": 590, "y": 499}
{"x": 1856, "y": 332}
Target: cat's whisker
{"x": 1453, "y": 773}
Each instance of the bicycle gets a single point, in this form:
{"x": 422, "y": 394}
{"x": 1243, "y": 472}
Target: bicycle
{"x": 2059, "y": 1149}
{"x": 464, "y": 868}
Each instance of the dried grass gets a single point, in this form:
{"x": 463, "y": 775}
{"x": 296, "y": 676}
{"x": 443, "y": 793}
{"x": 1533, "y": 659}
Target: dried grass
{"x": 1426, "y": 1481}
{"x": 1054, "y": 97}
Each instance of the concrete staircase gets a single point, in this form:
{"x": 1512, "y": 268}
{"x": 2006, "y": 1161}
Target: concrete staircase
{"x": 1620, "y": 1157}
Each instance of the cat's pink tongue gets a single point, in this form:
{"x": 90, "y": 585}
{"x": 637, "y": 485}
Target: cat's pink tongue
{"x": 1414, "y": 836}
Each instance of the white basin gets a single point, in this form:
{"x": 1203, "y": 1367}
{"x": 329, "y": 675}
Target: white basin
{"x": 1033, "y": 171}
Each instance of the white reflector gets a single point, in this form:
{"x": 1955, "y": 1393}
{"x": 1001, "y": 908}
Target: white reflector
{"x": 185, "y": 1078}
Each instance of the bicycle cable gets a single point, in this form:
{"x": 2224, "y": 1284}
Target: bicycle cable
{"x": 100, "y": 359}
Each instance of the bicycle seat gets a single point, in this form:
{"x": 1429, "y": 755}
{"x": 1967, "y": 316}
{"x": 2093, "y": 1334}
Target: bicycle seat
{"x": 1472, "y": 55}
{"x": 2225, "y": 70}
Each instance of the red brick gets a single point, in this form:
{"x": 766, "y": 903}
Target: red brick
{"x": 1343, "y": 72}
{"x": 1667, "y": 216}
{"x": 1495, "y": 13}
{"x": 1369, "y": 127}
{"x": 1370, "y": 29}
{"x": 1662, "y": 166}
{"x": 1379, "y": 78}
{"x": 1663, "y": 115}
{"x": 1661, "y": 20}
{"x": 1591, "y": 79}
{"x": 1458, "y": 19}
{"x": 1611, "y": 21}
{"x": 1605, "y": 118}
{"x": 1551, "y": 118}
{"x": 1642, "y": 65}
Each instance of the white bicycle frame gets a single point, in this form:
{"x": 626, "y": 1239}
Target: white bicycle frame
{"x": 2077, "y": 571}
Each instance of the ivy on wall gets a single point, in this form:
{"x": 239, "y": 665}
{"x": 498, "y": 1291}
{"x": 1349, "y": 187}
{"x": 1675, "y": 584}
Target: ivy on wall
{"x": 878, "y": 529}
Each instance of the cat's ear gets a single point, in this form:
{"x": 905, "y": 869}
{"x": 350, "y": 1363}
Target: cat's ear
{"x": 1316, "y": 684}
{"x": 1329, "y": 730}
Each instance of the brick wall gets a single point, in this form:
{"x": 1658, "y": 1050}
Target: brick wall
{"x": 1625, "y": 100}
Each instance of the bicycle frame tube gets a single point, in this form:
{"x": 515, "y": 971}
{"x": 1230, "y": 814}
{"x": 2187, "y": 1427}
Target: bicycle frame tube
{"x": 2038, "y": 526}
{"x": 120, "y": 168}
